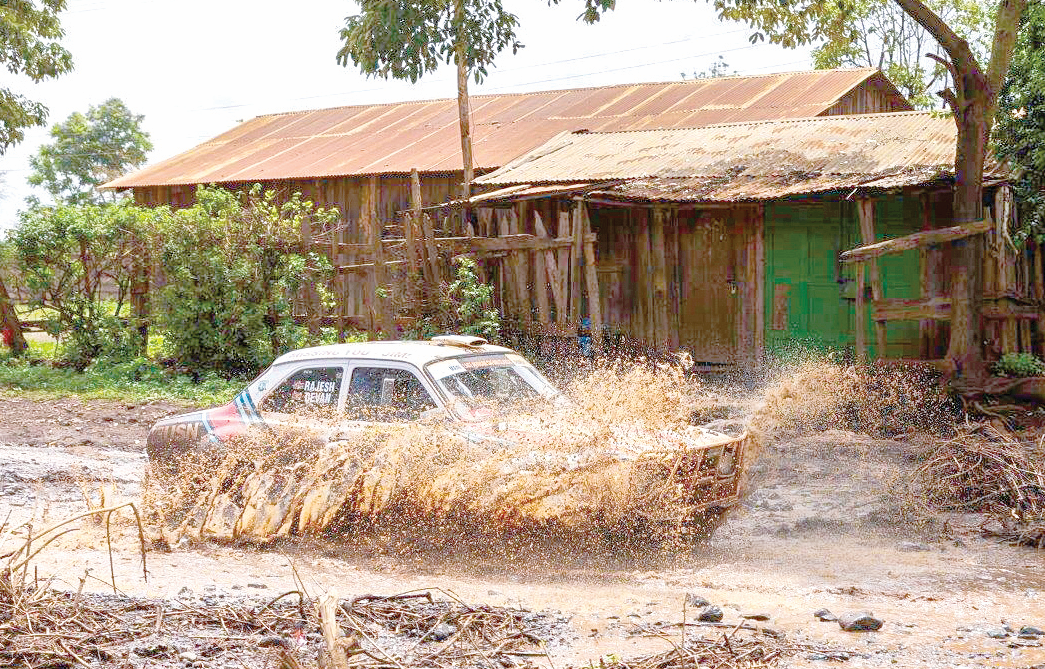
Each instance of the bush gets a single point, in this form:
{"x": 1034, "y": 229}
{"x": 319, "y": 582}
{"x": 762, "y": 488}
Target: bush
{"x": 1018, "y": 365}
{"x": 232, "y": 264}
{"x": 464, "y": 306}
{"x": 64, "y": 255}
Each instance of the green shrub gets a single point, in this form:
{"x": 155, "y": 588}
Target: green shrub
{"x": 464, "y": 306}
{"x": 1018, "y": 365}
{"x": 232, "y": 264}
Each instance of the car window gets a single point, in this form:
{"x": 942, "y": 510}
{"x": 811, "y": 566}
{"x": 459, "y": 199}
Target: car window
{"x": 386, "y": 395}
{"x": 306, "y": 388}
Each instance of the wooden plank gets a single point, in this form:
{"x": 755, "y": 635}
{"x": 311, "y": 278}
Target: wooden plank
{"x": 563, "y": 254}
{"x": 861, "y": 315}
{"x": 541, "y": 280}
{"x": 660, "y": 279}
{"x": 939, "y": 308}
{"x": 671, "y": 261}
{"x": 643, "y": 313}
{"x": 865, "y": 213}
{"x": 551, "y": 266}
{"x": 431, "y": 253}
{"x": 510, "y": 294}
{"x": 914, "y": 241}
{"x": 591, "y": 282}
{"x": 760, "y": 283}
{"x": 411, "y": 223}
{"x": 517, "y": 262}
{"x": 576, "y": 255}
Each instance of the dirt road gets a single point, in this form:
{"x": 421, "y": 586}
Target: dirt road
{"x": 820, "y": 531}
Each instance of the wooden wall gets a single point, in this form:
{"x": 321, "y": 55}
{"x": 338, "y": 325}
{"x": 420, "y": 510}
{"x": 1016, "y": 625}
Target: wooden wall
{"x": 683, "y": 278}
{"x": 871, "y": 97}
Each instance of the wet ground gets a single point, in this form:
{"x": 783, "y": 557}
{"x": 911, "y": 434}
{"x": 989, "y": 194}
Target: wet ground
{"x": 822, "y": 529}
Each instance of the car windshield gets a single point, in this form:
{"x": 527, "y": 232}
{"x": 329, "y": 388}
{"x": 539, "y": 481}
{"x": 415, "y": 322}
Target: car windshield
{"x": 483, "y": 386}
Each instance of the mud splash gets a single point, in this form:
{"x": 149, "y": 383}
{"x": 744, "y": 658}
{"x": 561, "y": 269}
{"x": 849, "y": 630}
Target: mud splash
{"x": 619, "y": 461}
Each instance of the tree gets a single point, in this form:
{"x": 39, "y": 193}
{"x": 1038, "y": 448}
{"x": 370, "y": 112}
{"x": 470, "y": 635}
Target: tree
{"x": 1019, "y": 134}
{"x": 973, "y": 100}
{"x": 878, "y": 33}
{"x": 67, "y": 255}
{"x": 89, "y": 150}
{"x": 29, "y": 45}
{"x": 406, "y": 39}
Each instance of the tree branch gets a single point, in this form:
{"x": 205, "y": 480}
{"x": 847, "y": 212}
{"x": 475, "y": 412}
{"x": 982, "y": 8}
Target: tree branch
{"x": 957, "y": 48}
{"x": 1006, "y": 26}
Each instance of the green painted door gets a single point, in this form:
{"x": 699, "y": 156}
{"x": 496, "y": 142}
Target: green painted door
{"x": 811, "y": 297}
{"x": 803, "y": 307}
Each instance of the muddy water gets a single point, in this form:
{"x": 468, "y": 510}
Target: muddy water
{"x": 819, "y": 531}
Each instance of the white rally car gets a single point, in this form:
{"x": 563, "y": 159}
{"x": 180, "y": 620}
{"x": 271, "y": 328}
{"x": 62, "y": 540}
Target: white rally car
{"x": 327, "y": 394}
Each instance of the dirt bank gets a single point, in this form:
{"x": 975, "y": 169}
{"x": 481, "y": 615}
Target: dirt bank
{"x": 821, "y": 530}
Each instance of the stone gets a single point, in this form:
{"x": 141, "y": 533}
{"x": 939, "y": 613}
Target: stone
{"x": 188, "y": 656}
{"x": 859, "y": 621}
{"x": 441, "y": 632}
{"x": 695, "y": 600}
{"x": 259, "y": 586}
{"x": 710, "y": 614}
{"x": 824, "y": 616}
{"x": 911, "y": 547}
{"x": 1031, "y": 630}
{"x": 760, "y": 616}
{"x": 186, "y": 591}
{"x": 997, "y": 633}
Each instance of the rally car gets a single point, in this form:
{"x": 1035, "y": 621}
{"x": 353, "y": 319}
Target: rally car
{"x": 333, "y": 394}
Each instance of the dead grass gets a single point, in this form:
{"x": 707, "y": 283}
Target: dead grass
{"x": 987, "y": 469}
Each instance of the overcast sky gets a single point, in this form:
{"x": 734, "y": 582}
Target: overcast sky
{"x": 195, "y": 68}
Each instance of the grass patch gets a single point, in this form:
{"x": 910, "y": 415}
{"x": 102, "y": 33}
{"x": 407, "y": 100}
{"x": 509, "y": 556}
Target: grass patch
{"x": 136, "y": 381}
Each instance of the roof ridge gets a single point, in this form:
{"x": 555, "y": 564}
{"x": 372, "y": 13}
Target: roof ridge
{"x": 768, "y": 121}
{"x": 868, "y": 70}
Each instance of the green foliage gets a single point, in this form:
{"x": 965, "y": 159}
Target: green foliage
{"x": 89, "y": 150}
{"x": 64, "y": 256}
{"x": 464, "y": 307}
{"x": 1019, "y": 135}
{"x": 29, "y": 45}
{"x": 878, "y": 33}
{"x": 405, "y": 39}
{"x": 232, "y": 263}
{"x": 133, "y": 380}
{"x": 1018, "y": 365}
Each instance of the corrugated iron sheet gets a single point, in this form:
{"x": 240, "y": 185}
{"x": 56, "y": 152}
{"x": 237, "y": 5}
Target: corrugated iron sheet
{"x": 395, "y": 138}
{"x": 748, "y": 161}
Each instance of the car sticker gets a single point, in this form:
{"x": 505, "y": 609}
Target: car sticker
{"x": 445, "y": 368}
{"x": 484, "y": 362}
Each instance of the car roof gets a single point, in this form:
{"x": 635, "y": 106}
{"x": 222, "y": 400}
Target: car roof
{"x": 417, "y": 353}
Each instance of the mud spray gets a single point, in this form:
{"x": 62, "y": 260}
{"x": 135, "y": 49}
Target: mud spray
{"x": 610, "y": 469}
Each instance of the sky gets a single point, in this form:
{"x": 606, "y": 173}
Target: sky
{"x": 195, "y": 68}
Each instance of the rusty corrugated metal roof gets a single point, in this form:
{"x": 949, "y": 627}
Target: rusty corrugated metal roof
{"x": 395, "y": 138}
{"x": 747, "y": 161}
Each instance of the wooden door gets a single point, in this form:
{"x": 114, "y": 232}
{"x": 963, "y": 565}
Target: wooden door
{"x": 709, "y": 298}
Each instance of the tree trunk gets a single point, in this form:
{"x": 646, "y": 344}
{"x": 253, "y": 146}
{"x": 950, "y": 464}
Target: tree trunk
{"x": 463, "y": 111}
{"x": 973, "y": 102}
{"x": 9, "y": 321}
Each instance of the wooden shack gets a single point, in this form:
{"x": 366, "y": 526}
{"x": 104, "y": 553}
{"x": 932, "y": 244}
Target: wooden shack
{"x": 726, "y": 240}
{"x": 359, "y": 159}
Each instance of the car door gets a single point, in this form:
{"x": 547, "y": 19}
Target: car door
{"x": 382, "y": 394}
{"x": 305, "y": 402}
